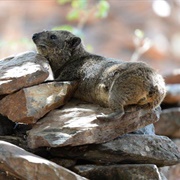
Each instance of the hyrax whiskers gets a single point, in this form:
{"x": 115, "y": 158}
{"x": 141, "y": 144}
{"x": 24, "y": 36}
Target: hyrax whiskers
{"x": 104, "y": 81}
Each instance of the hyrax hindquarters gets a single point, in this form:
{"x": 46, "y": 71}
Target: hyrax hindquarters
{"x": 104, "y": 81}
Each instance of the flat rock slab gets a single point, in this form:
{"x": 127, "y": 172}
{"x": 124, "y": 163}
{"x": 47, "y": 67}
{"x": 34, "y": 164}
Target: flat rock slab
{"x": 172, "y": 172}
{"x": 30, "y": 104}
{"x": 23, "y": 70}
{"x": 24, "y": 165}
{"x": 169, "y": 123}
{"x": 119, "y": 172}
{"x": 130, "y": 148}
{"x": 76, "y": 124}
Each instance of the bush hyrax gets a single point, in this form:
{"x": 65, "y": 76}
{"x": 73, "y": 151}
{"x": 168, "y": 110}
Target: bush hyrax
{"x": 104, "y": 81}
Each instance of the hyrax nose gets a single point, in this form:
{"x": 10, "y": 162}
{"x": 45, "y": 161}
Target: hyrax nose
{"x": 35, "y": 36}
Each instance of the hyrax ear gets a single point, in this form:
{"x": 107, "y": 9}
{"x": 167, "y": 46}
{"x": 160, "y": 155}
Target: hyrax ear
{"x": 74, "y": 42}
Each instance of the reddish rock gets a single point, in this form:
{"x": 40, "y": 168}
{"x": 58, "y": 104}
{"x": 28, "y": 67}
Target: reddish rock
{"x": 172, "y": 94}
{"x": 32, "y": 103}
{"x": 23, "y": 70}
{"x": 173, "y": 78}
{"x": 24, "y": 165}
{"x": 76, "y": 124}
{"x": 6, "y": 176}
{"x": 169, "y": 123}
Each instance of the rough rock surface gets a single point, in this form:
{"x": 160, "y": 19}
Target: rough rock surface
{"x": 130, "y": 148}
{"x": 30, "y": 104}
{"x": 23, "y": 70}
{"x": 76, "y": 124}
{"x": 172, "y": 172}
{"x": 119, "y": 172}
{"x": 169, "y": 123}
{"x": 6, "y": 176}
{"x": 24, "y": 165}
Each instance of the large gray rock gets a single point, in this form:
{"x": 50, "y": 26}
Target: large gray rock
{"x": 24, "y": 165}
{"x": 172, "y": 172}
{"x": 30, "y": 104}
{"x": 130, "y": 148}
{"x": 23, "y": 70}
{"x": 76, "y": 124}
{"x": 169, "y": 123}
{"x": 119, "y": 172}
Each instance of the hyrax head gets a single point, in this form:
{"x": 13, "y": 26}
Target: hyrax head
{"x": 50, "y": 43}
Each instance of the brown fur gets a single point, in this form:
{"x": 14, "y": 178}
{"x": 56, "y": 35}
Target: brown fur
{"x": 104, "y": 81}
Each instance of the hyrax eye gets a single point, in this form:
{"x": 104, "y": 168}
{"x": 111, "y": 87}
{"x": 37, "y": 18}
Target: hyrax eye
{"x": 53, "y": 37}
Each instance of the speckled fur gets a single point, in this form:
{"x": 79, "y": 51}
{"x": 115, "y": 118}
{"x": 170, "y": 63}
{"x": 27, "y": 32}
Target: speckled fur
{"x": 104, "y": 81}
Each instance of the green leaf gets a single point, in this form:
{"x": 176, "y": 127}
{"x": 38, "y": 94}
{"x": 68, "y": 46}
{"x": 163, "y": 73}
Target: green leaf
{"x": 73, "y": 15}
{"x": 79, "y": 4}
{"x": 63, "y": 27}
{"x": 139, "y": 33}
{"x": 63, "y": 1}
{"x": 103, "y": 9}
{"x": 89, "y": 48}
{"x": 72, "y": 29}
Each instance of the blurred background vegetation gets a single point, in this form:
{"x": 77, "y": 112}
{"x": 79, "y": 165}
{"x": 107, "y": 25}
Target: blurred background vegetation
{"x": 123, "y": 29}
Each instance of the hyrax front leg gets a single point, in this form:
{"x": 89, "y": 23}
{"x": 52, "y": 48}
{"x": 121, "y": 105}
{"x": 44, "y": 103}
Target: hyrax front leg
{"x": 113, "y": 116}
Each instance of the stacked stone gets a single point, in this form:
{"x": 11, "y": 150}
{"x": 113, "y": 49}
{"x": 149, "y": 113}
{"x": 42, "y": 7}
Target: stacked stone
{"x": 169, "y": 122}
{"x": 32, "y": 117}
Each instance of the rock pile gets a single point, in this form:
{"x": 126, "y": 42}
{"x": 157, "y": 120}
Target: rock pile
{"x": 70, "y": 138}
{"x": 169, "y": 122}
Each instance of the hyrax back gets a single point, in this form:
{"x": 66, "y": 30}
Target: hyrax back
{"x": 138, "y": 85}
{"x": 108, "y": 82}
